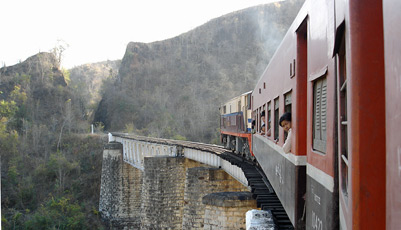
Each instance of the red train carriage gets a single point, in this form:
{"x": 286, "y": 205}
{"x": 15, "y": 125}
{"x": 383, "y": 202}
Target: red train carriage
{"x": 359, "y": 56}
{"x": 282, "y": 88}
{"x": 235, "y": 124}
{"x": 329, "y": 73}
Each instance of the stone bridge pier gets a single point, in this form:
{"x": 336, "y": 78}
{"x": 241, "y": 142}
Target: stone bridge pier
{"x": 163, "y": 189}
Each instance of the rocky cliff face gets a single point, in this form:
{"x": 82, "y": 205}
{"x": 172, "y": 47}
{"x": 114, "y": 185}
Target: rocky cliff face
{"x": 40, "y": 70}
{"x": 44, "y": 103}
{"x": 174, "y": 87}
{"x": 87, "y": 81}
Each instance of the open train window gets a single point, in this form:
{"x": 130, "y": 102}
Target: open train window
{"x": 260, "y": 123}
{"x": 287, "y": 102}
{"x": 264, "y": 111}
{"x": 276, "y": 118}
{"x": 320, "y": 114}
{"x": 287, "y": 108}
{"x": 342, "y": 109}
{"x": 239, "y": 106}
{"x": 224, "y": 109}
{"x": 269, "y": 116}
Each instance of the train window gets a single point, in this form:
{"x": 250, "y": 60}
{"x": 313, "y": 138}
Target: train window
{"x": 343, "y": 119}
{"x": 239, "y": 106}
{"x": 264, "y": 85}
{"x": 224, "y": 109}
{"x": 260, "y": 119}
{"x": 260, "y": 90}
{"x": 319, "y": 114}
{"x": 287, "y": 103}
{"x": 248, "y": 98}
{"x": 269, "y": 116}
{"x": 276, "y": 118}
{"x": 287, "y": 108}
{"x": 292, "y": 69}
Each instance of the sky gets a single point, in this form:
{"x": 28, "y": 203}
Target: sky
{"x": 99, "y": 30}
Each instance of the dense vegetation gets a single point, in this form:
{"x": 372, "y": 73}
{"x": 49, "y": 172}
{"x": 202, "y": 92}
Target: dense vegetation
{"x": 50, "y": 172}
{"x": 173, "y": 88}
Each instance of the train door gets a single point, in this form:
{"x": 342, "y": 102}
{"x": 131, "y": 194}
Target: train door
{"x": 300, "y": 69}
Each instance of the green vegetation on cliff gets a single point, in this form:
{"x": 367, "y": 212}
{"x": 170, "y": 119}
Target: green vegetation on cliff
{"x": 50, "y": 174}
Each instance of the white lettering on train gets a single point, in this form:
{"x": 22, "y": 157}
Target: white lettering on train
{"x": 316, "y": 198}
{"x": 317, "y": 223}
{"x": 278, "y": 173}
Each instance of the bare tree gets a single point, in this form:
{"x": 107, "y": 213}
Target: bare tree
{"x": 59, "y": 49}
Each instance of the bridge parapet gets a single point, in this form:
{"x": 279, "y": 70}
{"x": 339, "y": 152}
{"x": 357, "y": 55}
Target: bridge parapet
{"x": 134, "y": 151}
{"x": 136, "y": 148}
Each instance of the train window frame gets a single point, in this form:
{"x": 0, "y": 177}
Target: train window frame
{"x": 288, "y": 101}
{"x": 343, "y": 148}
{"x": 269, "y": 115}
{"x": 287, "y": 106}
{"x": 276, "y": 117}
{"x": 319, "y": 141}
{"x": 260, "y": 119}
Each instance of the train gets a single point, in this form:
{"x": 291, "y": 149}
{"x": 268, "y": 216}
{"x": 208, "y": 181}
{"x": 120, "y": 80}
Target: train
{"x": 338, "y": 72}
{"x": 236, "y": 125}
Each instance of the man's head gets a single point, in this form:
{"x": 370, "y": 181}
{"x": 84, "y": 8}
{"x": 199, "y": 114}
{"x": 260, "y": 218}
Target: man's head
{"x": 285, "y": 121}
{"x": 262, "y": 116}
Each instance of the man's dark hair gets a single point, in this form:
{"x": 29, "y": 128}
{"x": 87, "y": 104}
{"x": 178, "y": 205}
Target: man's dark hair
{"x": 285, "y": 117}
{"x": 262, "y": 114}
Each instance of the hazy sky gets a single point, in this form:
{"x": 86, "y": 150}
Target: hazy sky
{"x": 98, "y": 30}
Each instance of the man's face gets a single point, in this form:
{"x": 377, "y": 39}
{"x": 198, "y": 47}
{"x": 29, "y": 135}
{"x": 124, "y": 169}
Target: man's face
{"x": 263, "y": 119}
{"x": 286, "y": 125}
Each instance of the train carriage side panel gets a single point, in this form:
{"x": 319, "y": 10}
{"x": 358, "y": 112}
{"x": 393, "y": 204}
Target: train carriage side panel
{"x": 279, "y": 84}
{"x": 392, "y": 46}
{"x": 322, "y": 189}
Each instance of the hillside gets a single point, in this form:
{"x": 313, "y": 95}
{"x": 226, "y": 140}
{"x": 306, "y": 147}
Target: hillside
{"x": 173, "y": 88}
{"x": 88, "y": 79}
{"x": 50, "y": 175}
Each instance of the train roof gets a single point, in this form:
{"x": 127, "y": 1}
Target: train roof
{"x": 249, "y": 92}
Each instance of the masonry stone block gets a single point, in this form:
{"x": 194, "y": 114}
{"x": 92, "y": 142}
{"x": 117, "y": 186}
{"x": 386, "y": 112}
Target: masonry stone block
{"x": 201, "y": 181}
{"x": 121, "y": 186}
{"x": 222, "y": 207}
{"x": 163, "y": 192}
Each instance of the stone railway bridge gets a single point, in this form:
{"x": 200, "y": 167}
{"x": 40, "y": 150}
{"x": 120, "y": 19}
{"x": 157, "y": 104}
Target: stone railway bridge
{"x": 151, "y": 183}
